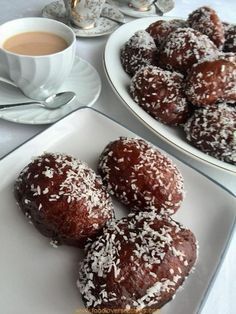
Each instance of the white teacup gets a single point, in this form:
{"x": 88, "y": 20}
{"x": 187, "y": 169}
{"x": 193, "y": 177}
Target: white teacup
{"x": 84, "y": 13}
{"x": 141, "y": 5}
{"x": 38, "y": 76}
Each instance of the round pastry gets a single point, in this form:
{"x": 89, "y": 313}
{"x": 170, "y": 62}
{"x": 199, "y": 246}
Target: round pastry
{"x": 64, "y": 199}
{"x": 226, "y": 26}
{"x": 206, "y": 21}
{"x": 212, "y": 80}
{"x": 138, "y": 51}
{"x": 213, "y": 131}
{"x": 140, "y": 176}
{"x": 136, "y": 265}
{"x": 183, "y": 48}
{"x": 160, "y": 29}
{"x": 160, "y": 93}
{"x": 230, "y": 39}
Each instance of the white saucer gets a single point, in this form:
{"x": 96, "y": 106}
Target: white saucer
{"x": 56, "y": 10}
{"x": 83, "y": 80}
{"x": 124, "y": 8}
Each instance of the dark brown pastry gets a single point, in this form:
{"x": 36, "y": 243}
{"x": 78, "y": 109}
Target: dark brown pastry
{"x": 138, "y": 51}
{"x": 160, "y": 29}
{"x": 160, "y": 93}
{"x": 136, "y": 265}
{"x": 63, "y": 198}
{"x": 213, "y": 131}
{"x": 206, "y": 21}
{"x": 212, "y": 80}
{"x": 183, "y": 48}
{"x": 140, "y": 176}
{"x": 226, "y": 26}
{"x": 230, "y": 39}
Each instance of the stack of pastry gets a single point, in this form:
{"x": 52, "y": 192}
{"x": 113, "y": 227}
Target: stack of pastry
{"x": 190, "y": 78}
{"x": 136, "y": 263}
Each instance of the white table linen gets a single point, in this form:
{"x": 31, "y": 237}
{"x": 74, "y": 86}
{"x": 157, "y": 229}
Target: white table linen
{"x": 222, "y": 298}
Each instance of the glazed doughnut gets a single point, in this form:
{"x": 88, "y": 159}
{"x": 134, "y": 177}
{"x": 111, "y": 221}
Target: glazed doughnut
{"x": 141, "y": 177}
{"x": 136, "y": 265}
{"x": 64, "y": 198}
{"x": 160, "y": 93}
{"x": 206, "y": 21}
{"x": 183, "y": 48}
{"x": 213, "y": 130}
{"x": 212, "y": 80}
{"x": 138, "y": 51}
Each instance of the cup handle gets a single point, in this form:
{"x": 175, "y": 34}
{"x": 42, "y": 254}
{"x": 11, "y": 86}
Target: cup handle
{"x": 70, "y": 7}
{"x": 74, "y": 3}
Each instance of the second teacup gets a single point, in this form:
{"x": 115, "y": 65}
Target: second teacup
{"x": 84, "y": 13}
{"x": 141, "y": 5}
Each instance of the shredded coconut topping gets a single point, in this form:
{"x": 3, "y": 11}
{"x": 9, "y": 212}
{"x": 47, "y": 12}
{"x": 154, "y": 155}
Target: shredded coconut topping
{"x": 141, "y": 240}
{"x": 66, "y": 194}
{"x": 160, "y": 93}
{"x": 146, "y": 179}
{"x": 138, "y": 51}
{"x": 207, "y": 22}
{"x": 213, "y": 131}
{"x": 77, "y": 182}
{"x": 212, "y": 79}
{"x": 184, "y": 47}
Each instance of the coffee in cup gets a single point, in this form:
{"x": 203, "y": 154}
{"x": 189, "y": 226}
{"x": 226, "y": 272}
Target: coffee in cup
{"x": 36, "y": 60}
{"x": 35, "y": 43}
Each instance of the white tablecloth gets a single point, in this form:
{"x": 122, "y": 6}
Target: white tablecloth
{"x": 222, "y": 299}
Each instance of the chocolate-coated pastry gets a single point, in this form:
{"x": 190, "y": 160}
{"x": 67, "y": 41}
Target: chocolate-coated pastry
{"x": 160, "y": 93}
{"x": 213, "y": 130}
{"x": 138, "y": 51}
{"x": 226, "y": 26}
{"x": 206, "y": 21}
{"x": 140, "y": 176}
{"x": 212, "y": 80}
{"x": 160, "y": 29}
{"x": 136, "y": 265}
{"x": 230, "y": 39}
{"x": 63, "y": 198}
{"x": 183, "y": 48}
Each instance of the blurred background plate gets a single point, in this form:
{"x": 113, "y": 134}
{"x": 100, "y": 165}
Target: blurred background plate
{"x": 162, "y": 5}
{"x": 56, "y": 10}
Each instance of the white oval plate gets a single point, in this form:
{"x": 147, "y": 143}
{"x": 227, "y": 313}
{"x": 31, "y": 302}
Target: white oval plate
{"x": 120, "y": 82}
{"x": 83, "y": 80}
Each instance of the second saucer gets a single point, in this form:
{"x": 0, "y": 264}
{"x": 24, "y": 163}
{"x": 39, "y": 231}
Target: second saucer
{"x": 83, "y": 78}
{"x": 56, "y": 10}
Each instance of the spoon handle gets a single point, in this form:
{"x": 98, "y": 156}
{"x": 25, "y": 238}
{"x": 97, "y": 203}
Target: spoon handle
{"x": 19, "y": 104}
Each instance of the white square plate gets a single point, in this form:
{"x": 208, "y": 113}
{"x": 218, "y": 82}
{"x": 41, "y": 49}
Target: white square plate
{"x": 35, "y": 278}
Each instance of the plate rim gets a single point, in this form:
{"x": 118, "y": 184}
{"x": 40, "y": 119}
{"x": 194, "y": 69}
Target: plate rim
{"x": 232, "y": 230}
{"x": 227, "y": 167}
